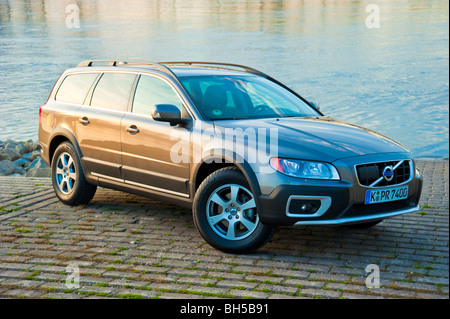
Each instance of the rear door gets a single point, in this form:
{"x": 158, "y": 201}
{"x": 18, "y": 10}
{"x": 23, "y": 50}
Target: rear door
{"x": 70, "y": 96}
{"x": 147, "y": 144}
{"x": 98, "y": 124}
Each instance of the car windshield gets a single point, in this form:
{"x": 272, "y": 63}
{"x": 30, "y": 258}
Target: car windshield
{"x": 243, "y": 97}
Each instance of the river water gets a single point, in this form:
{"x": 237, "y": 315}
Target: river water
{"x": 392, "y": 77}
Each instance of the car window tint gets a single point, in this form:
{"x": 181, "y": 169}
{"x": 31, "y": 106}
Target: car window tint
{"x": 151, "y": 91}
{"x": 75, "y": 87}
{"x": 215, "y": 96}
{"x": 112, "y": 91}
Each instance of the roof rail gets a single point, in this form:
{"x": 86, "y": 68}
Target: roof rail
{"x": 159, "y": 66}
{"x": 245, "y": 68}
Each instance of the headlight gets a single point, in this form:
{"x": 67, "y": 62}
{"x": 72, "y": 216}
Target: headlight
{"x": 418, "y": 173}
{"x": 305, "y": 169}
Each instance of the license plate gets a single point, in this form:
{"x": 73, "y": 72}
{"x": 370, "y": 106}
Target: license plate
{"x": 386, "y": 194}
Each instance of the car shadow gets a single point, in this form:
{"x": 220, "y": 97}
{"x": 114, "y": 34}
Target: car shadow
{"x": 289, "y": 242}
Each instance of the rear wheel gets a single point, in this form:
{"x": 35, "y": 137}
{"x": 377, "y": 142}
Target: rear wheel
{"x": 225, "y": 213}
{"x": 68, "y": 179}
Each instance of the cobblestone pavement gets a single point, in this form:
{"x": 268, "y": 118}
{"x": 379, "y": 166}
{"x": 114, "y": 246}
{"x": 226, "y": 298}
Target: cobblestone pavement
{"x": 132, "y": 247}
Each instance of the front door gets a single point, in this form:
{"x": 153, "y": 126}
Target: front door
{"x": 147, "y": 144}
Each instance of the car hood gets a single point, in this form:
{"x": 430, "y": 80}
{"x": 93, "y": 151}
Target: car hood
{"x": 317, "y": 138}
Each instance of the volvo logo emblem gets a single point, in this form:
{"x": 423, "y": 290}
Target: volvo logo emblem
{"x": 388, "y": 173}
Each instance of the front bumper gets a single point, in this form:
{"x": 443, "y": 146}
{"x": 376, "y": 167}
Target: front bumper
{"x": 337, "y": 202}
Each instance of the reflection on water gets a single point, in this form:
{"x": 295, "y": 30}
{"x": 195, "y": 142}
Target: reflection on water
{"x": 393, "y": 79}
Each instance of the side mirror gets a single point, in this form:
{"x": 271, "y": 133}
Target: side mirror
{"x": 315, "y": 105}
{"x": 167, "y": 113}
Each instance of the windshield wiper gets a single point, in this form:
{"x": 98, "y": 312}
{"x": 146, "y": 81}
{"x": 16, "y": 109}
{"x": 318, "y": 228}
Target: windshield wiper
{"x": 229, "y": 118}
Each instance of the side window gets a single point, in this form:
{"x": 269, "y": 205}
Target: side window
{"x": 112, "y": 91}
{"x": 151, "y": 91}
{"x": 75, "y": 87}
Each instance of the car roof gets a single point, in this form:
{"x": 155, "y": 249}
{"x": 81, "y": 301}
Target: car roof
{"x": 177, "y": 69}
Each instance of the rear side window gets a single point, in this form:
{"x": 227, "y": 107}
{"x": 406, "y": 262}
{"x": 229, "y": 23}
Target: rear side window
{"x": 75, "y": 87}
{"x": 112, "y": 91}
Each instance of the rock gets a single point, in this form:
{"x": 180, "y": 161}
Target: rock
{"x": 27, "y": 156}
{"x": 13, "y": 154}
{"x": 39, "y": 172}
{"x": 21, "y": 148}
{"x": 30, "y": 146}
{"x": 35, "y": 154}
{"x": 37, "y": 163}
{"x": 19, "y": 170}
{"x": 31, "y": 156}
{"x": 25, "y": 147}
{"x": 4, "y": 155}
{"x": 7, "y": 167}
{"x": 20, "y": 162}
{"x": 10, "y": 144}
{"x": 33, "y": 164}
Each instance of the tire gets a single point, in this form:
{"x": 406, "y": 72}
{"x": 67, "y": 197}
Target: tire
{"x": 68, "y": 179}
{"x": 225, "y": 213}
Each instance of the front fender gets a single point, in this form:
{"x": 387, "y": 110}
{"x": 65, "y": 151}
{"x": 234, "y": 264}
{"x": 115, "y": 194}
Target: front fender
{"x": 227, "y": 157}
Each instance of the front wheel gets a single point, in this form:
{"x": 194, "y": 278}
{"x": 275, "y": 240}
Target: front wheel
{"x": 68, "y": 179}
{"x": 225, "y": 213}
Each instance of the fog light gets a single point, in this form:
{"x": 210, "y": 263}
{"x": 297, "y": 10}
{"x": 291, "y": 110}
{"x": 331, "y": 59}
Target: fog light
{"x": 307, "y": 206}
{"x": 298, "y": 206}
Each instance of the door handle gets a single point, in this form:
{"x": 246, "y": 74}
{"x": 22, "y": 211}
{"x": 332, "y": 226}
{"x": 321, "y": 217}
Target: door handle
{"x": 132, "y": 129}
{"x": 84, "y": 121}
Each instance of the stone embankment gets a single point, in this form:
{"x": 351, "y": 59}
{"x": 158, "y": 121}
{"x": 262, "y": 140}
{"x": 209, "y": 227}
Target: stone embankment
{"x": 22, "y": 159}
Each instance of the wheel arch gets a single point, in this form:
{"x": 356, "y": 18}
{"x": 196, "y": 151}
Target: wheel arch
{"x": 58, "y": 137}
{"x": 218, "y": 160}
{"x": 62, "y": 135}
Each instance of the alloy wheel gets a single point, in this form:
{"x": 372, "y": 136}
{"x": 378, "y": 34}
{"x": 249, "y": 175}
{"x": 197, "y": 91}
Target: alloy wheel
{"x": 231, "y": 212}
{"x": 66, "y": 175}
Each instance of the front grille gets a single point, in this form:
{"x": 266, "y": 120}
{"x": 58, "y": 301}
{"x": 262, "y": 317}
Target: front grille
{"x": 368, "y": 174}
